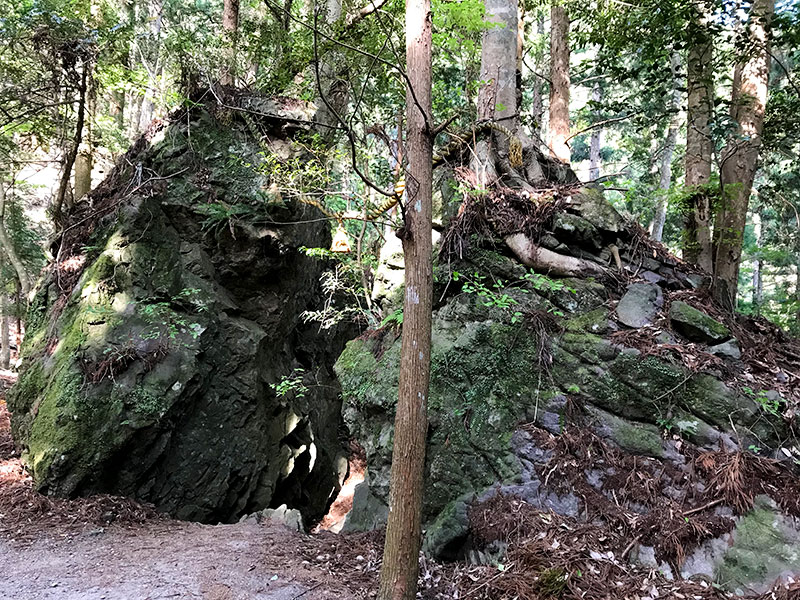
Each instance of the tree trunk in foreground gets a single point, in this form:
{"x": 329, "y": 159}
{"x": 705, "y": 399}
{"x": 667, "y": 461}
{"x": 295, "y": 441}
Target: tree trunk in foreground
{"x": 559, "y": 82}
{"x": 84, "y": 161}
{"x": 230, "y": 25}
{"x": 398, "y": 580}
{"x": 700, "y": 84}
{"x": 740, "y": 156}
{"x": 537, "y": 107}
{"x": 665, "y": 179}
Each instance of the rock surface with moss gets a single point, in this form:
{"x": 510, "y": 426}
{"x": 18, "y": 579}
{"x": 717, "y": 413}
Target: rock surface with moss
{"x": 514, "y": 351}
{"x": 156, "y": 347}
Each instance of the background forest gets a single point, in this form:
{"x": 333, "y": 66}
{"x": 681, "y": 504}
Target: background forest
{"x": 650, "y": 87}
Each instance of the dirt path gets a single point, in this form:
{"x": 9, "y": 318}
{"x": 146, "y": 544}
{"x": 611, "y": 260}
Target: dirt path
{"x": 108, "y": 548}
{"x": 165, "y": 560}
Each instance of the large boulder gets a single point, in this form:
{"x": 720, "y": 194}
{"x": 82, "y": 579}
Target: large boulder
{"x": 492, "y": 370}
{"x": 166, "y": 358}
{"x": 517, "y": 356}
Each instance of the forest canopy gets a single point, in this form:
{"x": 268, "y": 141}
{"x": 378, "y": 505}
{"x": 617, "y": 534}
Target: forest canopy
{"x": 647, "y": 99}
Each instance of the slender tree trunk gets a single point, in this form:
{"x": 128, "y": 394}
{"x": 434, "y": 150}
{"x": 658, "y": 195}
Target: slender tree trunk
{"x": 398, "y": 578}
{"x": 71, "y": 153}
{"x": 665, "y": 178}
{"x": 84, "y": 161}
{"x": 230, "y": 24}
{"x": 333, "y": 80}
{"x": 758, "y": 281}
{"x": 497, "y": 98}
{"x": 700, "y": 84}
{"x": 5, "y": 338}
{"x": 154, "y": 68}
{"x": 520, "y": 56}
{"x": 595, "y": 140}
{"x": 559, "y": 82}
{"x": 740, "y": 156}
{"x": 7, "y": 248}
{"x": 18, "y": 308}
{"x": 537, "y": 106}
{"x": 797, "y": 293}
{"x": 117, "y": 109}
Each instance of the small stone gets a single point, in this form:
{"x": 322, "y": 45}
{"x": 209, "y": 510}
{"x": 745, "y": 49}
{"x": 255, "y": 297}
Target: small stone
{"x": 729, "y": 349}
{"x": 653, "y": 277}
{"x": 640, "y": 304}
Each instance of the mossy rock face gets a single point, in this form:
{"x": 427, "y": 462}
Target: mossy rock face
{"x": 765, "y": 547}
{"x": 492, "y": 372}
{"x": 484, "y": 382}
{"x": 152, "y": 375}
{"x": 696, "y": 325}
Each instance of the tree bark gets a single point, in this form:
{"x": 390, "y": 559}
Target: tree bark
{"x": 71, "y": 153}
{"x": 5, "y": 338}
{"x": 758, "y": 280}
{"x": 497, "y": 97}
{"x": 398, "y": 578}
{"x": 596, "y": 138}
{"x": 7, "y": 248}
{"x": 559, "y": 82}
{"x": 230, "y": 25}
{"x": 155, "y": 67}
{"x": 700, "y": 84}
{"x": 84, "y": 161}
{"x": 797, "y": 293}
{"x": 740, "y": 156}
{"x": 333, "y": 80}
{"x": 665, "y": 176}
{"x": 537, "y": 108}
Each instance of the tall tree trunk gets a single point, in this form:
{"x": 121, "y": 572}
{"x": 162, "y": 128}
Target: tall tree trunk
{"x": 5, "y": 338}
{"x": 7, "y": 248}
{"x": 333, "y": 80}
{"x": 595, "y": 140}
{"x": 84, "y": 161}
{"x": 740, "y": 156}
{"x": 71, "y": 153}
{"x": 398, "y": 578}
{"x": 520, "y": 56}
{"x": 758, "y": 280}
{"x": 665, "y": 178}
{"x": 497, "y": 97}
{"x": 155, "y": 68}
{"x": 559, "y": 82}
{"x": 537, "y": 105}
{"x": 700, "y": 84}
{"x": 797, "y": 293}
{"x": 230, "y": 25}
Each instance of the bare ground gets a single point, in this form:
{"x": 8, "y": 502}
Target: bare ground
{"x": 165, "y": 560}
{"x": 111, "y": 548}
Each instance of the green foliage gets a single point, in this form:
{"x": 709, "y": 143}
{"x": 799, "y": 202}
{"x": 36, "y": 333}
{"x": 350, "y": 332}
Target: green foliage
{"x": 494, "y": 294}
{"x": 168, "y": 324}
{"x": 770, "y": 404}
{"x": 394, "y": 318}
{"x": 291, "y": 386}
